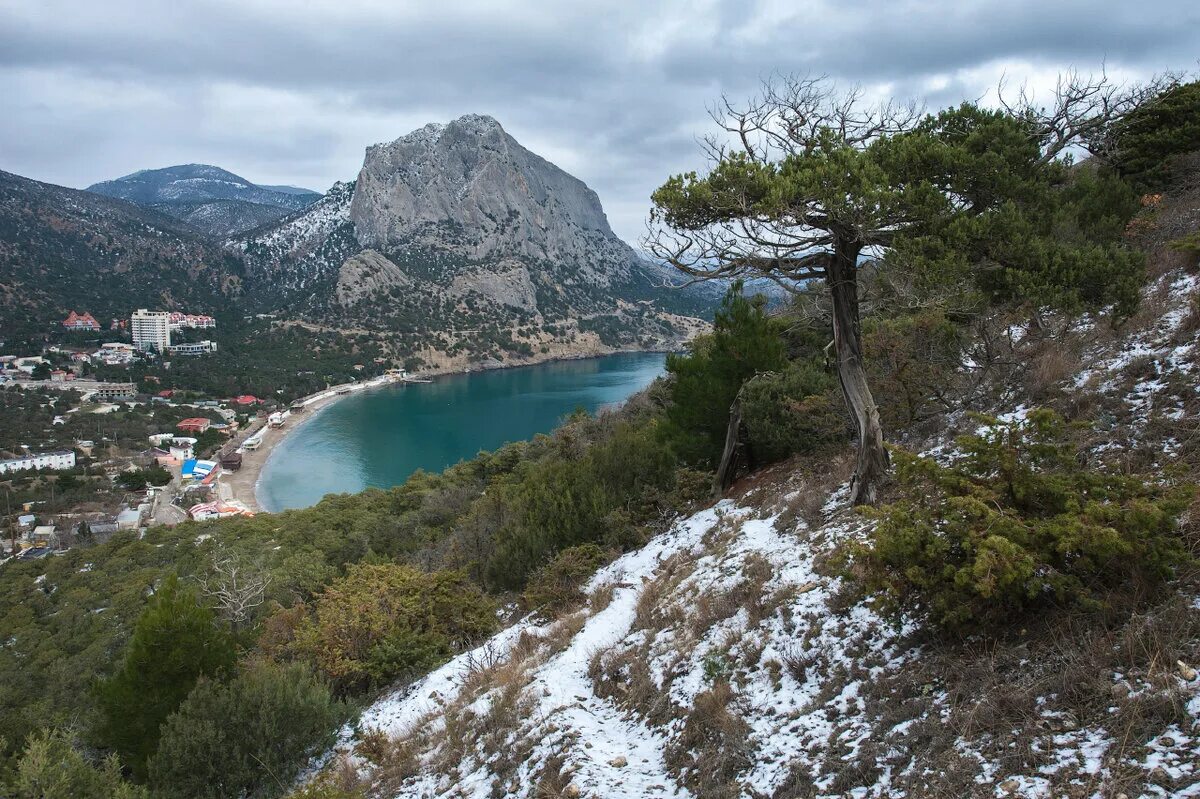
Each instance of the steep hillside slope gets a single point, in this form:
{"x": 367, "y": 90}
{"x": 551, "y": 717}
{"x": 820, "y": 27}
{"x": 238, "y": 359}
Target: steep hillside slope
{"x": 210, "y": 199}
{"x": 726, "y": 659}
{"x": 63, "y": 249}
{"x": 462, "y": 243}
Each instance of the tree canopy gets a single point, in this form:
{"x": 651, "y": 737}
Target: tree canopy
{"x": 809, "y": 182}
{"x": 176, "y": 641}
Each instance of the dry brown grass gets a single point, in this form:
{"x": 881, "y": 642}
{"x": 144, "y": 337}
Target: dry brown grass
{"x": 623, "y": 675}
{"x": 806, "y": 500}
{"x": 1047, "y": 367}
{"x": 393, "y": 759}
{"x": 1009, "y": 697}
{"x": 714, "y": 746}
{"x": 601, "y": 597}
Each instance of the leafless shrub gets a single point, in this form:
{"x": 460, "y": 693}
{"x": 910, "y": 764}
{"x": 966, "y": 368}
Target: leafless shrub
{"x": 601, "y": 596}
{"x": 397, "y": 759}
{"x": 623, "y": 675}
{"x": 554, "y": 780}
{"x": 237, "y": 585}
{"x": 1048, "y": 367}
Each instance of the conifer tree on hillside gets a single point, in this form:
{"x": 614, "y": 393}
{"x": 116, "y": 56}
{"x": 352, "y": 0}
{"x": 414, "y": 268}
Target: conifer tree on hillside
{"x": 816, "y": 181}
{"x": 175, "y": 642}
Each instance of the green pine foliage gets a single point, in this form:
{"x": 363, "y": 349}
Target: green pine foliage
{"x": 247, "y": 737}
{"x": 994, "y": 216}
{"x": 794, "y": 411}
{"x": 603, "y": 495}
{"x": 1019, "y": 522}
{"x": 382, "y": 622}
{"x": 175, "y": 642}
{"x": 745, "y": 341}
{"x": 558, "y": 585}
{"x": 52, "y": 767}
{"x": 1148, "y": 140}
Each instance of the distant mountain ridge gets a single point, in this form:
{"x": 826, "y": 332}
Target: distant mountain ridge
{"x": 213, "y": 200}
{"x": 458, "y": 227}
{"x": 64, "y": 249}
{"x": 455, "y": 247}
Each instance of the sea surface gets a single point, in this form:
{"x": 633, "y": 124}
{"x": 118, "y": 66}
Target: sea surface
{"x": 378, "y": 437}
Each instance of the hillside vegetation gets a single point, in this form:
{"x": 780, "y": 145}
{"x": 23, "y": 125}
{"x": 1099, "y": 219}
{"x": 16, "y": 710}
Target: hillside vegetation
{"x": 1015, "y": 613}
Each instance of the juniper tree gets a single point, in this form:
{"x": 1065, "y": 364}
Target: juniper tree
{"x": 815, "y": 182}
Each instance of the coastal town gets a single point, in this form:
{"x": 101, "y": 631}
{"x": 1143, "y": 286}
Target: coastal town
{"x": 84, "y": 455}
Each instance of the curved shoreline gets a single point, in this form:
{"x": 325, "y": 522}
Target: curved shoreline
{"x": 243, "y": 485}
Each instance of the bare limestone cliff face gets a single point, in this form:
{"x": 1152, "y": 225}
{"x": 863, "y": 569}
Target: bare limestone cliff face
{"x": 471, "y": 186}
{"x": 365, "y": 274}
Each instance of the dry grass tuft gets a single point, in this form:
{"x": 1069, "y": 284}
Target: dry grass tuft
{"x": 714, "y": 746}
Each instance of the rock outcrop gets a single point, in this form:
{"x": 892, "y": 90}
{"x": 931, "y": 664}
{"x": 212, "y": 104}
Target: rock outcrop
{"x": 471, "y": 186}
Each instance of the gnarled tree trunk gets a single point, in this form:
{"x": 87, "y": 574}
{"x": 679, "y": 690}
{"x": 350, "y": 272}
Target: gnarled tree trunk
{"x": 842, "y": 278}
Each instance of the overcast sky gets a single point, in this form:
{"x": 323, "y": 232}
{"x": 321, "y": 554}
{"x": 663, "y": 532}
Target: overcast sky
{"x": 292, "y": 91}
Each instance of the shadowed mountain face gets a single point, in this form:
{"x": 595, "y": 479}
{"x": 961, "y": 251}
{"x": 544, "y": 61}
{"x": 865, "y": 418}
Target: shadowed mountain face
{"x": 62, "y": 249}
{"x": 210, "y": 199}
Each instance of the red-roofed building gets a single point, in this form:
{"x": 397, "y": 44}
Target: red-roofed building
{"x": 84, "y": 321}
{"x": 166, "y": 393}
{"x": 195, "y": 425}
{"x": 247, "y": 399}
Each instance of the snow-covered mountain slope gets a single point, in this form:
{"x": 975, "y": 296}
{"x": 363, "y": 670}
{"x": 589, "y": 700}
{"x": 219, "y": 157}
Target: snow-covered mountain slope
{"x": 213, "y": 200}
{"x": 299, "y": 251}
{"x": 191, "y": 183}
{"x": 724, "y": 659}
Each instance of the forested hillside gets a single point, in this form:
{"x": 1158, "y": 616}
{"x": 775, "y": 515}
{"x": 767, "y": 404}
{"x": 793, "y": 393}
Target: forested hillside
{"x": 928, "y": 531}
{"x": 64, "y": 249}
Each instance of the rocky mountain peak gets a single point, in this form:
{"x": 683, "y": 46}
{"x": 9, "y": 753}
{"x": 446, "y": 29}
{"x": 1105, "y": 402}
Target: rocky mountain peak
{"x": 470, "y": 185}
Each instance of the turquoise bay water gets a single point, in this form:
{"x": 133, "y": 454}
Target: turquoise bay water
{"x": 380, "y": 436}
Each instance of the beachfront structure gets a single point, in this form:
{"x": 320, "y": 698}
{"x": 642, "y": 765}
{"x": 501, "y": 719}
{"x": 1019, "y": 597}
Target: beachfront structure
{"x": 193, "y": 348}
{"x": 64, "y": 459}
{"x": 151, "y": 330}
{"x": 196, "y": 469}
{"x": 218, "y": 510}
{"x": 83, "y": 321}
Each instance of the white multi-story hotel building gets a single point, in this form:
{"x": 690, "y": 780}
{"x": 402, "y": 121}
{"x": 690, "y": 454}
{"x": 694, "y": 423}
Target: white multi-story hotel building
{"x": 151, "y": 330}
{"x": 44, "y": 460}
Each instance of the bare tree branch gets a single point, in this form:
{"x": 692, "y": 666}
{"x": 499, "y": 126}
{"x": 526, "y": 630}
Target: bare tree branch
{"x": 235, "y": 586}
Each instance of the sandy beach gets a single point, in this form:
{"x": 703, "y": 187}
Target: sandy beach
{"x": 242, "y": 484}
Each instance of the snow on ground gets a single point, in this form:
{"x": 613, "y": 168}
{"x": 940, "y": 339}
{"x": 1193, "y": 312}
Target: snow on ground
{"x": 616, "y": 751}
{"x": 734, "y": 596}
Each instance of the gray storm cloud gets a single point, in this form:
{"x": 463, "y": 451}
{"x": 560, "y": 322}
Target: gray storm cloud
{"x": 616, "y": 93}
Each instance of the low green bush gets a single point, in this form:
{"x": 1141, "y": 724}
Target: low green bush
{"x": 248, "y": 737}
{"x": 1017, "y": 522}
{"x": 794, "y": 411}
{"x": 559, "y": 584}
{"x": 52, "y": 767}
{"x": 384, "y": 621}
